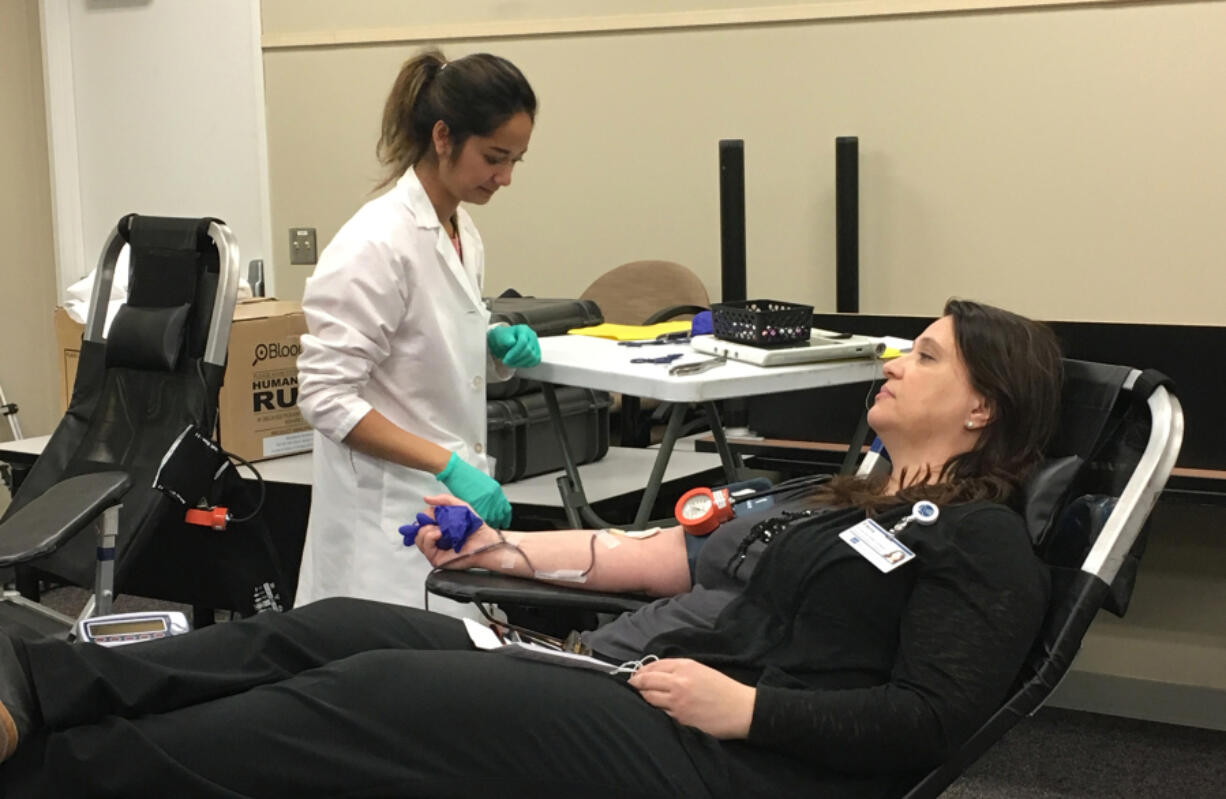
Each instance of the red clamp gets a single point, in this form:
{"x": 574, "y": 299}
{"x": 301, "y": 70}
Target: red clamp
{"x": 209, "y": 517}
{"x": 701, "y": 510}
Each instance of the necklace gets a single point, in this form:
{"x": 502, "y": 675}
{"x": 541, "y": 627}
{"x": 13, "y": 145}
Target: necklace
{"x": 764, "y": 531}
{"x": 923, "y": 512}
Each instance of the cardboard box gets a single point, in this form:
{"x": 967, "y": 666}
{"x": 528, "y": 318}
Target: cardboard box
{"x": 259, "y": 400}
{"x": 68, "y": 351}
{"x": 259, "y": 416}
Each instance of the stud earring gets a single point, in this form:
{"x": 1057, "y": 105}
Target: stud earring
{"x": 970, "y": 425}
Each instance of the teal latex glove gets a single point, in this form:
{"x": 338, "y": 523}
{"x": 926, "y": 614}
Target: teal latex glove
{"x": 515, "y": 345}
{"x": 478, "y": 489}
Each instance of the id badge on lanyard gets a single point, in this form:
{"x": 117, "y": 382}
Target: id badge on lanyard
{"x": 880, "y": 546}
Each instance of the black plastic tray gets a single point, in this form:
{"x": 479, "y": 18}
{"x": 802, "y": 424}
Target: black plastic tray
{"x": 762, "y": 323}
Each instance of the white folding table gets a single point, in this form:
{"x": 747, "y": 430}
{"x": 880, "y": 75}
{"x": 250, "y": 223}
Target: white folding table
{"x": 606, "y": 365}
{"x": 614, "y": 475}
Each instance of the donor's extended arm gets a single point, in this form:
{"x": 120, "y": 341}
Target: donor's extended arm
{"x": 596, "y": 560}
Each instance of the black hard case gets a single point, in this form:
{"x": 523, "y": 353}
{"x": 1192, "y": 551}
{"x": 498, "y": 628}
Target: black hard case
{"x": 522, "y": 439}
{"x": 546, "y": 318}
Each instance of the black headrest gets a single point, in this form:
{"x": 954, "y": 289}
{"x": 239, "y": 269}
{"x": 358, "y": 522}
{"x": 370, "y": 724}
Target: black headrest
{"x": 172, "y": 263}
{"x": 147, "y": 338}
{"x": 1046, "y": 492}
{"x": 1090, "y": 410}
{"x": 1088, "y": 396}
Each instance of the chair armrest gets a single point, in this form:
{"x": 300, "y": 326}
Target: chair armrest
{"x": 62, "y": 511}
{"x": 483, "y": 586}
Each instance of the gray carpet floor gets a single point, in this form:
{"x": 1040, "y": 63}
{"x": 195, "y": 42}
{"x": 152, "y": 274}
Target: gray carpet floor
{"x": 1061, "y": 754}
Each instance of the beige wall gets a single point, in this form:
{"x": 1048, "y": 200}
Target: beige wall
{"x": 27, "y": 299}
{"x": 307, "y": 22}
{"x": 1066, "y": 162}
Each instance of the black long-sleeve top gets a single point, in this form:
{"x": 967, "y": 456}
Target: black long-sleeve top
{"x": 860, "y": 672}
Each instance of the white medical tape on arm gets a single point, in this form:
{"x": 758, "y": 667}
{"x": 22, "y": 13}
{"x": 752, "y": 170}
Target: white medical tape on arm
{"x": 509, "y": 552}
{"x": 648, "y": 533}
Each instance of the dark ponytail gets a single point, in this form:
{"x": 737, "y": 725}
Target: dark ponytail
{"x": 473, "y": 95}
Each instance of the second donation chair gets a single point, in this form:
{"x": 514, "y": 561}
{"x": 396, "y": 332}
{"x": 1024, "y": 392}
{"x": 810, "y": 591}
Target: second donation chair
{"x": 139, "y": 385}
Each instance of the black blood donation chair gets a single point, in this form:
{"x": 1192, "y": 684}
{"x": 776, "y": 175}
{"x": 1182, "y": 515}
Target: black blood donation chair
{"x": 156, "y": 371}
{"x": 1119, "y": 436}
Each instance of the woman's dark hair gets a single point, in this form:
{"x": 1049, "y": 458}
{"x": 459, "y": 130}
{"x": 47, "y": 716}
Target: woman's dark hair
{"x": 1015, "y": 363}
{"x": 473, "y": 95}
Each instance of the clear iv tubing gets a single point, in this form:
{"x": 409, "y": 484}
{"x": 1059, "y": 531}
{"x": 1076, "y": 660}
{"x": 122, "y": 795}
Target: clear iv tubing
{"x": 503, "y": 542}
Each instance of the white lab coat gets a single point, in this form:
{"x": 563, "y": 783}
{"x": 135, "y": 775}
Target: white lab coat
{"x": 396, "y": 323}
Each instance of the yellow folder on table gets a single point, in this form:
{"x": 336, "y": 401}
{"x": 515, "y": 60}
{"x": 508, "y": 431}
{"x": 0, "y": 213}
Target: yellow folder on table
{"x": 632, "y": 332}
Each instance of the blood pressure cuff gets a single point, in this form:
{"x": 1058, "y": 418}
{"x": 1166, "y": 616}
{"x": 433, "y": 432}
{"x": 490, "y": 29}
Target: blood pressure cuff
{"x": 752, "y": 508}
{"x": 149, "y": 339}
{"x": 693, "y": 546}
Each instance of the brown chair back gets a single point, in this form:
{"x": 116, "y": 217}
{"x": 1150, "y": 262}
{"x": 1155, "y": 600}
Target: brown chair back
{"x": 631, "y": 293}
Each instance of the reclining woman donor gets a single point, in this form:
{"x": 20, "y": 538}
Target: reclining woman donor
{"x": 790, "y": 663}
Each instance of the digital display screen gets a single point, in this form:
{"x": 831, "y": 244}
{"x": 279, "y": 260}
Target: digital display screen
{"x": 127, "y": 627}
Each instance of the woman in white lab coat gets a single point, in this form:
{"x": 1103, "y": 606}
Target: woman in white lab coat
{"x": 393, "y": 370}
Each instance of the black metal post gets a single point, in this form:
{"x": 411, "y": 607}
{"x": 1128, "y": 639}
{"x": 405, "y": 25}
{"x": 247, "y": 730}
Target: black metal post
{"x": 732, "y": 219}
{"x": 847, "y": 223}
{"x": 732, "y": 243}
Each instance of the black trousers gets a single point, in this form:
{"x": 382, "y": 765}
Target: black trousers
{"x": 349, "y": 698}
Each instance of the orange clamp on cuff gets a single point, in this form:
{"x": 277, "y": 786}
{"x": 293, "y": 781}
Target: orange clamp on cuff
{"x": 701, "y": 510}
{"x": 211, "y": 517}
